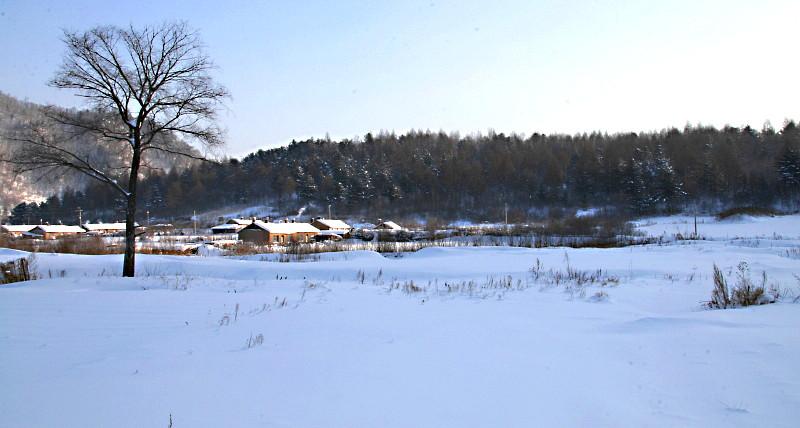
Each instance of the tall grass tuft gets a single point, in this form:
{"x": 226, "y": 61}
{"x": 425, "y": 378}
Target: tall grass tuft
{"x": 744, "y": 292}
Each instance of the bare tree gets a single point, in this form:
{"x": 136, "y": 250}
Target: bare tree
{"x": 147, "y": 87}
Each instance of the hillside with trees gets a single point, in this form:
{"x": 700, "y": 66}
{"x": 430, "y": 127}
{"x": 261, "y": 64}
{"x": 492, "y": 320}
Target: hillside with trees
{"x": 449, "y": 176}
{"x": 17, "y": 116}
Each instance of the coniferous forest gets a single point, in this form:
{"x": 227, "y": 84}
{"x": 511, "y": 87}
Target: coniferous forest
{"x": 426, "y": 173}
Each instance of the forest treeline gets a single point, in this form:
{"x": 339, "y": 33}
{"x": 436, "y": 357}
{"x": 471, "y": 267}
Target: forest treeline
{"x": 476, "y": 177}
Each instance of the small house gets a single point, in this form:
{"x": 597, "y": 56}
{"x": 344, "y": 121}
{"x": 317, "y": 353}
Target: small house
{"x": 55, "y": 231}
{"x": 331, "y": 226}
{"x": 389, "y": 226}
{"x": 233, "y": 225}
{"x": 104, "y": 228}
{"x": 264, "y": 233}
{"x": 16, "y": 230}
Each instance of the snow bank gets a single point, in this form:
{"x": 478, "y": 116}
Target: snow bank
{"x": 345, "y": 345}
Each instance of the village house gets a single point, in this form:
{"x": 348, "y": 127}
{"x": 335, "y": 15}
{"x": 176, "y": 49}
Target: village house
{"x": 16, "y": 230}
{"x": 55, "y": 231}
{"x": 389, "y": 226}
{"x": 233, "y": 225}
{"x": 104, "y": 228}
{"x": 264, "y": 233}
{"x": 332, "y": 227}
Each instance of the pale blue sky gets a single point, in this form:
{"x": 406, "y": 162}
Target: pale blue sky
{"x": 301, "y": 69}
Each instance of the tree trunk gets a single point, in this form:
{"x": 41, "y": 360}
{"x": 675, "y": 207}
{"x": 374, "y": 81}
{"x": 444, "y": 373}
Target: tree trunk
{"x": 128, "y": 264}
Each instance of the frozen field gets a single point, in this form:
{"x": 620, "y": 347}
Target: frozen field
{"x": 445, "y": 337}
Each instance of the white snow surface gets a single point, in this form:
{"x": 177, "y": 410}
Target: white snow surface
{"x": 735, "y": 227}
{"x": 84, "y": 347}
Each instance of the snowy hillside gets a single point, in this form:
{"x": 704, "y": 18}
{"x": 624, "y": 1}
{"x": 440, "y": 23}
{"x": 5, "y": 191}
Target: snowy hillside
{"x": 462, "y": 337}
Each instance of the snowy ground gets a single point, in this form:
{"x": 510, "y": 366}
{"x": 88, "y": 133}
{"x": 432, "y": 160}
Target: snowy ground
{"x": 462, "y": 337}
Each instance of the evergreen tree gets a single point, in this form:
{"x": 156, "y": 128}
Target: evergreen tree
{"x": 789, "y": 169}
{"x": 306, "y": 185}
{"x": 667, "y": 189}
{"x": 20, "y": 214}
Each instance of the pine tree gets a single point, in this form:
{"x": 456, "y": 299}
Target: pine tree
{"x": 306, "y": 185}
{"x": 667, "y": 189}
{"x": 789, "y": 169}
{"x": 20, "y": 214}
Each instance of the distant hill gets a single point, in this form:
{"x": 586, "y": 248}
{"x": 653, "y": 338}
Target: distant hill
{"x": 16, "y": 115}
{"x": 447, "y": 176}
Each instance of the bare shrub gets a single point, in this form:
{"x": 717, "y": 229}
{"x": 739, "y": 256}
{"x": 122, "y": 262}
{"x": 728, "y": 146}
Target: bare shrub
{"x": 793, "y": 253}
{"x": 252, "y": 342}
{"x": 748, "y": 210}
{"x": 744, "y": 292}
{"x": 91, "y": 245}
{"x": 18, "y": 270}
{"x": 600, "y": 296}
{"x": 797, "y": 298}
{"x": 720, "y": 298}
{"x": 243, "y": 249}
{"x": 570, "y": 276}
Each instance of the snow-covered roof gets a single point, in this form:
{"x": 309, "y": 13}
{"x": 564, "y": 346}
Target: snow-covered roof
{"x": 104, "y": 226}
{"x": 17, "y": 227}
{"x": 329, "y": 232}
{"x": 389, "y": 225}
{"x": 286, "y": 228}
{"x": 334, "y": 224}
{"x": 59, "y": 228}
{"x": 229, "y": 226}
{"x": 240, "y": 221}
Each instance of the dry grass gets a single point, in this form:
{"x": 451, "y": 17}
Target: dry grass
{"x": 749, "y": 210}
{"x": 18, "y": 270}
{"x": 744, "y": 292}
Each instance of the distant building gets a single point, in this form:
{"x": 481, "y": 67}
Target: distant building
{"x": 331, "y": 226}
{"x": 16, "y": 230}
{"x": 263, "y": 233}
{"x": 47, "y": 231}
{"x": 233, "y": 225}
{"x": 389, "y": 226}
{"x": 104, "y": 228}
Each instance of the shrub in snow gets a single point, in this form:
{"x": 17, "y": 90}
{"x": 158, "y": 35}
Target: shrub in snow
{"x": 252, "y": 342}
{"x": 18, "y": 270}
{"x": 744, "y": 292}
{"x": 600, "y": 296}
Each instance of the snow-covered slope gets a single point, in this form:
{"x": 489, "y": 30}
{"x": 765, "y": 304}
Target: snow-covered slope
{"x": 361, "y": 340}
{"x": 734, "y": 227}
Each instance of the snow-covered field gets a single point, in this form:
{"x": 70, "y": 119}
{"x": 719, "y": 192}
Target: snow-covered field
{"x": 461, "y": 337}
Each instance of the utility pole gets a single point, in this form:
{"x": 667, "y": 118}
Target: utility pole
{"x": 194, "y": 221}
{"x": 148, "y": 217}
{"x": 80, "y": 216}
{"x": 505, "y": 206}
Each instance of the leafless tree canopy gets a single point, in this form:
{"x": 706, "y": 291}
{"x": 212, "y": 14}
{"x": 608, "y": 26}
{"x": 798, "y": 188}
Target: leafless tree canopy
{"x": 146, "y": 87}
